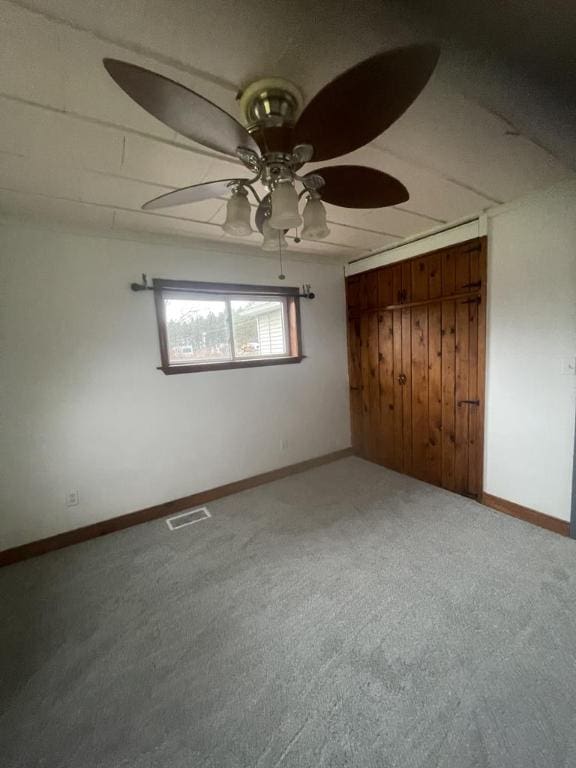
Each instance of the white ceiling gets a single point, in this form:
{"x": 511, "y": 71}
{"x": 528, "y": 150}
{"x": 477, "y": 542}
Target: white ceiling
{"x": 74, "y": 148}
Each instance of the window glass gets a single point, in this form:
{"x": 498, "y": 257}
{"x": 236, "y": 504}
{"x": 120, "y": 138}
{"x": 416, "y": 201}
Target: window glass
{"x": 198, "y": 330}
{"x": 259, "y": 327}
{"x": 217, "y": 326}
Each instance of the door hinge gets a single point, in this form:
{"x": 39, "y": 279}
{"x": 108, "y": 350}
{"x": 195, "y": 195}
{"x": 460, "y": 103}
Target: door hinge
{"x": 477, "y": 284}
{"x": 468, "y": 402}
{"x": 474, "y": 300}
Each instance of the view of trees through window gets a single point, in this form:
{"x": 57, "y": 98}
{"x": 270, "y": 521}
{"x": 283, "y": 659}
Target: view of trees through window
{"x": 213, "y": 329}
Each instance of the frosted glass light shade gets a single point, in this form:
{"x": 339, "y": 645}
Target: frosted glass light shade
{"x": 284, "y": 199}
{"x": 273, "y": 238}
{"x": 238, "y": 215}
{"x": 315, "y": 227}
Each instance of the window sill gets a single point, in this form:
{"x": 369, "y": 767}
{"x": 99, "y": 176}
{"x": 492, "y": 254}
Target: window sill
{"x": 173, "y": 369}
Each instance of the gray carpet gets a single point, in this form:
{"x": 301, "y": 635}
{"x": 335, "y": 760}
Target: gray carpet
{"x": 346, "y": 616}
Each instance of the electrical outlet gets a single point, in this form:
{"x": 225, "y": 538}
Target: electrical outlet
{"x": 72, "y": 499}
{"x": 283, "y": 444}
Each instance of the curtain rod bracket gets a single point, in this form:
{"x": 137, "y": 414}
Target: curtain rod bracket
{"x": 306, "y": 292}
{"x": 143, "y": 286}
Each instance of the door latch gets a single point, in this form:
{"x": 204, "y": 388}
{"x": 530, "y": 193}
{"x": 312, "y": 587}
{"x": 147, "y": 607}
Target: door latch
{"x": 468, "y": 402}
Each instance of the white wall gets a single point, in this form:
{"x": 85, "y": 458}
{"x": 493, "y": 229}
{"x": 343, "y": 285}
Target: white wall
{"x": 530, "y": 402}
{"x": 83, "y": 406}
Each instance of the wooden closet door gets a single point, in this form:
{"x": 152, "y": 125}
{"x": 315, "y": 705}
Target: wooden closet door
{"x": 416, "y": 339}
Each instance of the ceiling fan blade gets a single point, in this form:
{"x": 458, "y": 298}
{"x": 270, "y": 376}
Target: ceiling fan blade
{"x": 191, "y": 194}
{"x": 180, "y": 108}
{"x": 355, "y": 186}
{"x": 361, "y": 103}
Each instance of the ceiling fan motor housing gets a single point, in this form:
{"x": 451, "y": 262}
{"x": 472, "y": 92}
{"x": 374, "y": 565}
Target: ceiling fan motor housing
{"x": 269, "y": 108}
{"x": 270, "y": 102}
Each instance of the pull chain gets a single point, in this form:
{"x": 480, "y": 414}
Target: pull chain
{"x": 281, "y": 276}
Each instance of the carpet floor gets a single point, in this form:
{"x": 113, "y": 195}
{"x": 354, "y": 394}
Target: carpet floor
{"x": 345, "y": 616}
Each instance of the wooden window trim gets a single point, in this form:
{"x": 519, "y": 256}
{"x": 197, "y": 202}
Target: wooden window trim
{"x": 291, "y": 296}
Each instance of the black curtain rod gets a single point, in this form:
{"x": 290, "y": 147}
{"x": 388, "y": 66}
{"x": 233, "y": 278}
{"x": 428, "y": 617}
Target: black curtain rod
{"x": 208, "y": 288}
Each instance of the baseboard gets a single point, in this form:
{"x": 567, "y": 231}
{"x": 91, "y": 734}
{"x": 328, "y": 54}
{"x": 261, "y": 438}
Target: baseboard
{"x": 528, "y": 515}
{"x": 60, "y": 540}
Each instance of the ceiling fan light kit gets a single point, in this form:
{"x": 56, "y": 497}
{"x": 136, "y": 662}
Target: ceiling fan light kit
{"x": 281, "y": 136}
{"x": 284, "y": 206}
{"x": 238, "y": 214}
{"x": 274, "y": 240}
{"x": 314, "y": 215}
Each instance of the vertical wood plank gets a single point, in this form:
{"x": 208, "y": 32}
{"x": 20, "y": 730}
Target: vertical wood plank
{"x": 461, "y": 393}
{"x": 449, "y": 272}
{"x": 462, "y": 269}
{"x": 371, "y": 289}
{"x": 448, "y": 391}
{"x": 406, "y": 267}
{"x": 448, "y": 371}
{"x": 434, "y": 453}
{"x": 386, "y": 379}
{"x": 420, "y": 392}
{"x": 473, "y": 426}
{"x": 434, "y": 459}
{"x": 420, "y": 345}
{"x": 355, "y": 379}
{"x": 462, "y": 363}
{"x": 483, "y": 276}
{"x": 434, "y": 275}
{"x": 476, "y": 372}
{"x": 371, "y": 393}
{"x": 362, "y": 295}
{"x": 385, "y": 286}
{"x": 364, "y": 387}
{"x": 398, "y": 391}
{"x": 353, "y": 295}
{"x": 396, "y": 283}
{"x": 419, "y": 279}
{"x": 406, "y": 369}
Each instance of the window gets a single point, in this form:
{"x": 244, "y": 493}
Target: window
{"x": 211, "y": 326}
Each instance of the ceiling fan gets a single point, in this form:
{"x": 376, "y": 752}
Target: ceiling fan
{"x": 280, "y": 137}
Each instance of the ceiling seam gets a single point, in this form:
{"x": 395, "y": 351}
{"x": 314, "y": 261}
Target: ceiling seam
{"x": 521, "y": 134}
{"x": 187, "y": 148}
{"x": 140, "y": 50}
{"x": 182, "y": 241}
{"x": 151, "y": 216}
{"x": 419, "y": 213}
{"x": 436, "y": 172}
{"x": 147, "y": 182}
{"x": 116, "y": 127}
